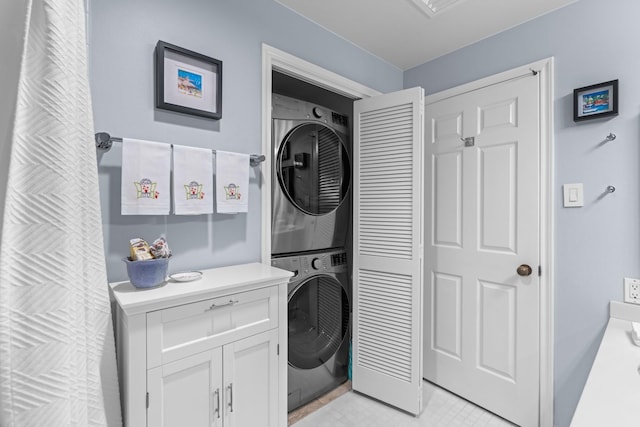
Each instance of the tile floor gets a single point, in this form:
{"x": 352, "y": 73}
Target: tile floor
{"x": 441, "y": 409}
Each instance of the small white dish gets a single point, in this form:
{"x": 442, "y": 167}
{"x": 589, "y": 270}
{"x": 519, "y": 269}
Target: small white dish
{"x": 186, "y": 276}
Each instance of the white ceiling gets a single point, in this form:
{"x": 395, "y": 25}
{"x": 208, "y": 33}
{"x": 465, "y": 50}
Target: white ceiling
{"x": 399, "y": 32}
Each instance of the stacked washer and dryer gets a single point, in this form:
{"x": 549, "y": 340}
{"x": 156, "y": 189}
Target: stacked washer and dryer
{"x": 311, "y": 216}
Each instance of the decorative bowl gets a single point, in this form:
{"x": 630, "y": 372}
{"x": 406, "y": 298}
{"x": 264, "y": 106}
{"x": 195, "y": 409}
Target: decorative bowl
{"x": 147, "y": 273}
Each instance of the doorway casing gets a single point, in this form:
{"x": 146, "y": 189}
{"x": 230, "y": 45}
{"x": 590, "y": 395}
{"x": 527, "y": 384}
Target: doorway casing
{"x": 277, "y": 60}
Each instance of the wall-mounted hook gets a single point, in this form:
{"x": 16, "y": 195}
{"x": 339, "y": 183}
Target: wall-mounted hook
{"x": 611, "y": 189}
{"x": 469, "y": 141}
{"x": 610, "y": 137}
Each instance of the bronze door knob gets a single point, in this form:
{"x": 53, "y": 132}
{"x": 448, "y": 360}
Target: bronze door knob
{"x": 524, "y": 270}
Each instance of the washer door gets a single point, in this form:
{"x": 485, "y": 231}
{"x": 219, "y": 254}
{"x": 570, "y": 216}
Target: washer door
{"x": 313, "y": 168}
{"x": 318, "y": 321}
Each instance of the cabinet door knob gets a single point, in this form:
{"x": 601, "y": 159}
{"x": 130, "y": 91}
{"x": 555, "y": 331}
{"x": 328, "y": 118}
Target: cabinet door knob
{"x": 524, "y": 270}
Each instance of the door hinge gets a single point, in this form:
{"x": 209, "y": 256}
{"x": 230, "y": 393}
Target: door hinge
{"x": 147, "y": 400}
{"x": 278, "y": 349}
{"x": 539, "y": 271}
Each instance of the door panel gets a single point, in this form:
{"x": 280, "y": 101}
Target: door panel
{"x": 447, "y": 312}
{"x": 498, "y": 172}
{"x": 499, "y": 114}
{"x": 497, "y": 318}
{"x": 186, "y": 392}
{"x": 384, "y": 329}
{"x": 388, "y": 176}
{"x": 482, "y": 329}
{"x": 447, "y": 203}
{"x": 447, "y": 126}
{"x": 251, "y": 381}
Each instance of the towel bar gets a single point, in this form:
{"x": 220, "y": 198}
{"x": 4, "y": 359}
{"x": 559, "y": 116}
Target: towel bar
{"x": 104, "y": 141}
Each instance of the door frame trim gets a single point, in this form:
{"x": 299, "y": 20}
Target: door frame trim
{"x": 278, "y": 60}
{"x": 547, "y": 205}
{"x": 274, "y": 59}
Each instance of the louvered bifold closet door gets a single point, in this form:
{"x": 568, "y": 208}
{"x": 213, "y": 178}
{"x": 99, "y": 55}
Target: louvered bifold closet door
{"x": 387, "y": 274}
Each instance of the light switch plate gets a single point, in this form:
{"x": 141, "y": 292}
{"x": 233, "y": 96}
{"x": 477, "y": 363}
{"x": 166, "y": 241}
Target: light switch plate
{"x": 573, "y": 195}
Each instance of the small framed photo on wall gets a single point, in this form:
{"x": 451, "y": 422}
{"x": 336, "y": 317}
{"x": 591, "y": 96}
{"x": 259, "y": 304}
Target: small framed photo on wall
{"x": 188, "y": 82}
{"x": 595, "y": 101}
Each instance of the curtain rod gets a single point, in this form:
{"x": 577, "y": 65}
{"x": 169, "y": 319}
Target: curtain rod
{"x": 104, "y": 141}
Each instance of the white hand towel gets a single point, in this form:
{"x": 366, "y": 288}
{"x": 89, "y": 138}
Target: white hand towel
{"x": 232, "y": 182}
{"x": 192, "y": 180}
{"x": 146, "y": 171}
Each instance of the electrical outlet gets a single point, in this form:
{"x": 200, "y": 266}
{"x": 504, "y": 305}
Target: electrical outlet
{"x": 632, "y": 290}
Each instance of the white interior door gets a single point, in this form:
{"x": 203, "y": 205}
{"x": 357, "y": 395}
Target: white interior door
{"x": 387, "y": 271}
{"x": 482, "y": 203}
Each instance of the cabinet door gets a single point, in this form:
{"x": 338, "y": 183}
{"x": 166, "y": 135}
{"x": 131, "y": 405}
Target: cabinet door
{"x": 251, "y": 381}
{"x": 186, "y": 392}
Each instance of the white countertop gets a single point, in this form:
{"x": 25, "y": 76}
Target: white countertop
{"x": 214, "y": 282}
{"x": 611, "y": 396}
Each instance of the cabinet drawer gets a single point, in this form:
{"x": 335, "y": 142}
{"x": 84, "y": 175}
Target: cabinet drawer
{"x": 180, "y": 331}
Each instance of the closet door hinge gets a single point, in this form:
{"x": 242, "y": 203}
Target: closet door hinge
{"x": 278, "y": 349}
{"x": 147, "y": 400}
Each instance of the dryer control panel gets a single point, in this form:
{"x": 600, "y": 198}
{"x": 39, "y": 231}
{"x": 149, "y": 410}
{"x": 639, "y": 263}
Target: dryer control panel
{"x": 312, "y": 263}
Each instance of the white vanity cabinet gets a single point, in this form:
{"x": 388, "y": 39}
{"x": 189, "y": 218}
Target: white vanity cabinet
{"x": 232, "y": 385}
{"x": 212, "y": 352}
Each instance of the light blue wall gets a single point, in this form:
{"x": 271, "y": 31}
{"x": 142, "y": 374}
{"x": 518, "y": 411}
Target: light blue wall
{"x": 598, "y": 245}
{"x": 122, "y": 38}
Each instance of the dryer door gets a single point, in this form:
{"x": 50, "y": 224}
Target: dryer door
{"x": 318, "y": 322}
{"x": 313, "y": 169}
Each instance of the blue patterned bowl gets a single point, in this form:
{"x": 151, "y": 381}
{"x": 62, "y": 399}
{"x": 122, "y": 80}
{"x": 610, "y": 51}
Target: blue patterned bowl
{"x": 147, "y": 273}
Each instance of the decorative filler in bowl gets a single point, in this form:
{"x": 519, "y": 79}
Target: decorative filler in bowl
{"x": 147, "y": 265}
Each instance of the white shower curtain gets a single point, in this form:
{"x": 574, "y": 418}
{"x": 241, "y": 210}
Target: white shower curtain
{"x": 57, "y": 356}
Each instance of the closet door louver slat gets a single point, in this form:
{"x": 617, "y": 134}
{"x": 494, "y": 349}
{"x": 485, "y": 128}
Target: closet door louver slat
{"x": 388, "y": 174}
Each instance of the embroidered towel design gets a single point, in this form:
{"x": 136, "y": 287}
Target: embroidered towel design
{"x": 192, "y": 180}
{"x": 146, "y": 169}
{"x": 232, "y": 182}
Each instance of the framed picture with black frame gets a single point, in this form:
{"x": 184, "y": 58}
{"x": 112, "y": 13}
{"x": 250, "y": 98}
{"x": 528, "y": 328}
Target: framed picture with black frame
{"x": 595, "y": 101}
{"x": 188, "y": 82}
